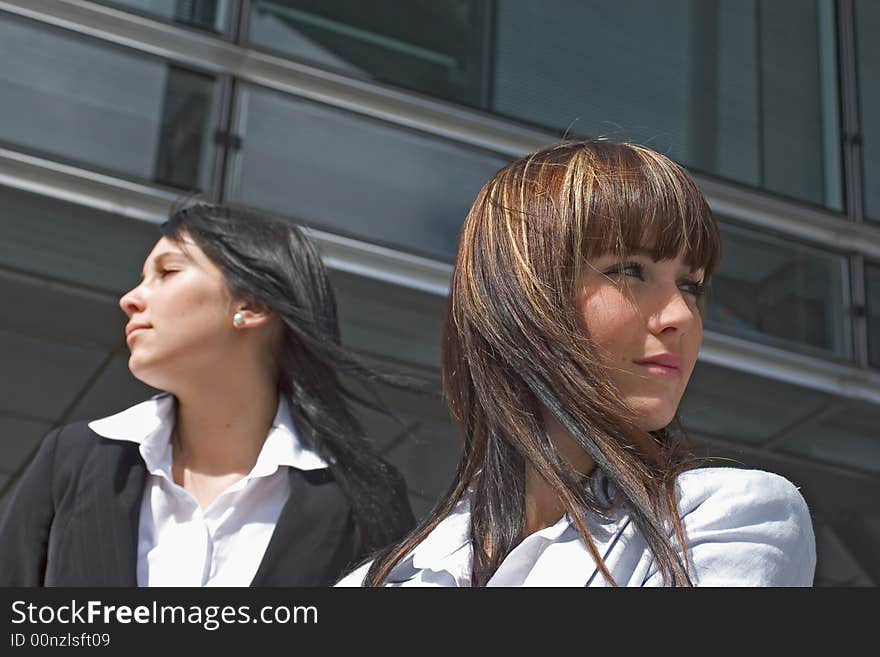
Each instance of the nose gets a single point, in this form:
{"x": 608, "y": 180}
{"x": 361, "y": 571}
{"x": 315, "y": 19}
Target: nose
{"x": 132, "y": 301}
{"x": 673, "y": 313}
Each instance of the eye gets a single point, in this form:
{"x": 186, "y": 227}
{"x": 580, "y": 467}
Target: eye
{"x": 628, "y": 269}
{"x": 166, "y": 272}
{"x": 692, "y": 287}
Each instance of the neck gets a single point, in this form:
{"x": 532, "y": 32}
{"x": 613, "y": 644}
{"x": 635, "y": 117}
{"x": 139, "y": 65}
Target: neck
{"x": 221, "y": 426}
{"x": 543, "y": 507}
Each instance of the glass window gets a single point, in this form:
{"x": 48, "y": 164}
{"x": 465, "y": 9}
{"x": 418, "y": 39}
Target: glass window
{"x": 104, "y": 107}
{"x": 731, "y": 87}
{"x": 782, "y": 293}
{"x": 741, "y": 407}
{"x": 353, "y": 175}
{"x": 849, "y": 438}
{"x": 205, "y": 14}
{"x": 872, "y": 293}
{"x": 743, "y": 89}
{"x": 868, "y": 61}
{"x": 434, "y": 47}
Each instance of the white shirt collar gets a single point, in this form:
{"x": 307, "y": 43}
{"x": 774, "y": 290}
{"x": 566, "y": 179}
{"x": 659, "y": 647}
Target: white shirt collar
{"x": 453, "y": 533}
{"x": 447, "y": 550}
{"x": 149, "y": 425}
{"x": 448, "y": 537}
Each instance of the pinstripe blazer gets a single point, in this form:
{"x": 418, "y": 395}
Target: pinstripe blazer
{"x": 73, "y": 520}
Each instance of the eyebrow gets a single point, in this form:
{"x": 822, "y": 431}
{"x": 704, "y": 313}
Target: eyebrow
{"x": 642, "y": 251}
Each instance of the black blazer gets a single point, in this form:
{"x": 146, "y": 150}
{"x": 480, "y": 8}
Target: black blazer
{"x": 73, "y": 520}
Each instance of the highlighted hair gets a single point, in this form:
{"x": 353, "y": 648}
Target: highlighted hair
{"x": 515, "y": 345}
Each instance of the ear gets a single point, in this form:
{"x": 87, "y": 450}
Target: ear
{"x": 250, "y": 316}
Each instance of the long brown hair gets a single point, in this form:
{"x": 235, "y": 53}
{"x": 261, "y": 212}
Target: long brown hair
{"x": 515, "y": 344}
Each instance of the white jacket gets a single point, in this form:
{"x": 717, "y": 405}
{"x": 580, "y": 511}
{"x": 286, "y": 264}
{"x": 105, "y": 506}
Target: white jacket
{"x": 743, "y": 528}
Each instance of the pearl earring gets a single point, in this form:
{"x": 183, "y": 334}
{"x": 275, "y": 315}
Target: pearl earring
{"x": 238, "y": 319}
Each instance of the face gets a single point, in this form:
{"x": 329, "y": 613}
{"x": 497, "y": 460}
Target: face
{"x": 179, "y": 316}
{"x": 643, "y": 317}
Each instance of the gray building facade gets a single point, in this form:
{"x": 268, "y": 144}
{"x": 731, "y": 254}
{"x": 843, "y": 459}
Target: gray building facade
{"x": 375, "y": 123}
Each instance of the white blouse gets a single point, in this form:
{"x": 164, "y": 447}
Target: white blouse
{"x": 181, "y": 544}
{"x": 743, "y": 528}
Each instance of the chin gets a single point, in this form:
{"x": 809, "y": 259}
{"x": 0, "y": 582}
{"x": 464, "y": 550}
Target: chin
{"x": 654, "y": 417}
{"x": 656, "y": 426}
{"x": 145, "y": 374}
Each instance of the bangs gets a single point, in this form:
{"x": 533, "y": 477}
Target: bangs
{"x": 639, "y": 199}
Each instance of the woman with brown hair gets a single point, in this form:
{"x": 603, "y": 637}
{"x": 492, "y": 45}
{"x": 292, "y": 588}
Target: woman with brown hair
{"x": 573, "y": 326}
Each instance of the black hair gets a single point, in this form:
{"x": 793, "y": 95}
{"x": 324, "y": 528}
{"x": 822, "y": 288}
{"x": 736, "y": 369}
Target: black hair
{"x": 275, "y": 265}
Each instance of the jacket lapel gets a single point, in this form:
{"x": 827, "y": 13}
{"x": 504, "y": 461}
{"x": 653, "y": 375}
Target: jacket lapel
{"x": 314, "y": 541}
{"x": 315, "y": 537}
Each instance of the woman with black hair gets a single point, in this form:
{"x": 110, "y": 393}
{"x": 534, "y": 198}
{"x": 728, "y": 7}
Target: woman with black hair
{"x": 251, "y": 467}
{"x": 573, "y": 325}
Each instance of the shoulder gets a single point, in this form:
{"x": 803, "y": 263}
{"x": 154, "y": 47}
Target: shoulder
{"x": 746, "y": 527}
{"x": 80, "y": 435}
{"x": 65, "y": 453}
{"x": 68, "y": 447}
{"x": 739, "y": 489}
{"x": 74, "y": 434}
{"x": 68, "y": 442}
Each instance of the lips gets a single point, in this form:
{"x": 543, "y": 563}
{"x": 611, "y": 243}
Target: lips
{"x": 666, "y": 360}
{"x": 662, "y": 364}
{"x": 130, "y": 328}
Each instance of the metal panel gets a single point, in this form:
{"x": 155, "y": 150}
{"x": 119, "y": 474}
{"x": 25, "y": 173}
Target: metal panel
{"x": 428, "y": 115}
